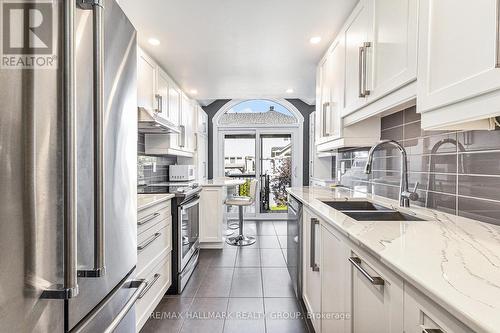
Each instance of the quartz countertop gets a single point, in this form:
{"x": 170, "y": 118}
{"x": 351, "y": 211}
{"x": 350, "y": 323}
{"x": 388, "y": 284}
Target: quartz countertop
{"x": 452, "y": 259}
{"x": 147, "y": 200}
{"x": 219, "y": 182}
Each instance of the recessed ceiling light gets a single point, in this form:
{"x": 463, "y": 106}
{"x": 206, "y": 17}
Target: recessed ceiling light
{"x": 154, "y": 41}
{"x": 289, "y": 91}
{"x": 315, "y": 39}
{"x": 193, "y": 92}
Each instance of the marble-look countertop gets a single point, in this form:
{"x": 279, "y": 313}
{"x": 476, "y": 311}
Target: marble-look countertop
{"x": 219, "y": 182}
{"x": 147, "y": 200}
{"x": 452, "y": 259}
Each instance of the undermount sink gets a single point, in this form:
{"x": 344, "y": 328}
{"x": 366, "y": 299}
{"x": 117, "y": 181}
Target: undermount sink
{"x": 355, "y": 205}
{"x": 380, "y": 216}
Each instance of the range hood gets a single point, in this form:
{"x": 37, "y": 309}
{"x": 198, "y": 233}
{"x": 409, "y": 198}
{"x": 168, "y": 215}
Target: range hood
{"x": 151, "y": 123}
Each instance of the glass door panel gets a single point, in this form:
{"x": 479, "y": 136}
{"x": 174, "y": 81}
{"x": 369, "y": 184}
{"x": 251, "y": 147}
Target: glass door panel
{"x": 275, "y": 171}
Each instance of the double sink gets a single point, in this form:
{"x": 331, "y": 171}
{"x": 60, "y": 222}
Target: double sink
{"x": 368, "y": 211}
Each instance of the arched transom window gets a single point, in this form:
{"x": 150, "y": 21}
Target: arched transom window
{"x": 257, "y": 112}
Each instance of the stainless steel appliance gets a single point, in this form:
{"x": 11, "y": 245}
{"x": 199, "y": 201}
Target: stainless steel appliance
{"x": 68, "y": 174}
{"x": 179, "y": 172}
{"x": 294, "y": 244}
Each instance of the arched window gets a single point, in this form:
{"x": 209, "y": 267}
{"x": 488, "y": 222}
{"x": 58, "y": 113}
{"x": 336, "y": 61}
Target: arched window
{"x": 257, "y": 112}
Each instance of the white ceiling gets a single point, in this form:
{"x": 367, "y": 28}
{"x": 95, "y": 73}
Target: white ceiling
{"x": 239, "y": 48}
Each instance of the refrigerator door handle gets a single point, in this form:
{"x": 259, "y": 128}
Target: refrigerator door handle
{"x": 69, "y": 288}
{"x": 97, "y": 8}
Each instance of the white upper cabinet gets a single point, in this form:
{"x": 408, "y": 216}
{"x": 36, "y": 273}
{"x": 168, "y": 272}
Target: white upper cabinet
{"x": 162, "y": 95}
{"x": 202, "y": 121}
{"x": 394, "y": 57}
{"x": 358, "y": 49}
{"x": 380, "y": 57}
{"x": 146, "y": 81}
{"x": 458, "y": 74}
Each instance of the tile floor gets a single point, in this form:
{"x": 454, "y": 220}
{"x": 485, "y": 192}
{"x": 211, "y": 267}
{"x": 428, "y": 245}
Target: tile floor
{"x": 236, "y": 290}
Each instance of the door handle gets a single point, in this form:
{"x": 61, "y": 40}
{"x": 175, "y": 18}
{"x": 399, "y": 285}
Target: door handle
{"x": 148, "y": 242}
{"x": 149, "y": 285}
{"x": 375, "y": 280}
{"x": 325, "y": 108}
{"x": 70, "y": 283}
{"x": 431, "y": 330}
{"x": 366, "y": 45}
{"x": 361, "y": 50}
{"x": 98, "y": 105}
{"x": 314, "y": 266}
{"x": 148, "y": 218}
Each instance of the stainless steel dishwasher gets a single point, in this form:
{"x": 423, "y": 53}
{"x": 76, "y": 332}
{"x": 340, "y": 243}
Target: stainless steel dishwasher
{"x": 294, "y": 244}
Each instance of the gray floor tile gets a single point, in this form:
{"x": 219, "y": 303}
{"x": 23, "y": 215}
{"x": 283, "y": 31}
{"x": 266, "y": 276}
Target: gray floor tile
{"x": 277, "y": 282}
{"x": 265, "y": 228}
{"x": 224, "y": 258}
{"x": 277, "y": 308}
{"x": 268, "y": 242}
{"x": 216, "y": 283}
{"x": 194, "y": 282}
{"x": 272, "y": 258}
{"x": 248, "y": 257}
{"x": 165, "y": 317}
{"x": 282, "y": 240}
{"x": 280, "y": 227}
{"x": 245, "y": 315}
{"x": 247, "y": 282}
{"x": 199, "y": 312}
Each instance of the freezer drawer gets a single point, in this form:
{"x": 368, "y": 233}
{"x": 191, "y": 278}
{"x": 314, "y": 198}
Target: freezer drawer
{"x": 158, "y": 281}
{"x": 153, "y": 243}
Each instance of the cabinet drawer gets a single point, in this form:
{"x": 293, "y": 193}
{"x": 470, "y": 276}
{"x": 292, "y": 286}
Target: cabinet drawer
{"x": 152, "y": 243}
{"x": 159, "y": 280}
{"x": 152, "y": 215}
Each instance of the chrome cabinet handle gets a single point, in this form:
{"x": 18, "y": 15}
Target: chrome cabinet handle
{"x": 325, "y": 108}
{"x": 148, "y": 241}
{"x": 375, "y": 280}
{"x": 159, "y": 106}
{"x": 361, "y": 50}
{"x": 98, "y": 105}
{"x": 149, "y": 285}
{"x": 148, "y": 218}
{"x": 432, "y": 330}
{"x": 366, "y": 45}
{"x": 314, "y": 266}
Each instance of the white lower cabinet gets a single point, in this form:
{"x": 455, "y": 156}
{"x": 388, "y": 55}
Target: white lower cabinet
{"x": 422, "y": 315}
{"x": 154, "y": 247}
{"x": 311, "y": 275}
{"x": 212, "y": 216}
{"x": 335, "y": 283}
{"x": 377, "y": 297}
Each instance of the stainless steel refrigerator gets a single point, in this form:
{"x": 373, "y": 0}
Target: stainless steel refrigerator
{"x": 68, "y": 132}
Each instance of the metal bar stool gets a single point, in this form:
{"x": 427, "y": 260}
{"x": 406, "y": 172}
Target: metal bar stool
{"x": 241, "y": 239}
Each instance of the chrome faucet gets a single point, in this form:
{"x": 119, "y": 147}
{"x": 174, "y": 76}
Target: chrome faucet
{"x": 404, "y": 194}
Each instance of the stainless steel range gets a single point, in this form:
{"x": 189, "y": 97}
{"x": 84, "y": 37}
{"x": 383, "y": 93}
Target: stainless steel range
{"x": 185, "y": 229}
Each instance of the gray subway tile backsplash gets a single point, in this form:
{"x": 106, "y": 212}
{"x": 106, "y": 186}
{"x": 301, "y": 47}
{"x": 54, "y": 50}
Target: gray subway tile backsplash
{"x": 151, "y": 169}
{"x": 457, "y": 172}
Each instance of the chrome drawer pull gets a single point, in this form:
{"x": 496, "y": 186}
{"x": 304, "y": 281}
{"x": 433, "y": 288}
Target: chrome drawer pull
{"x": 149, "y": 285}
{"x": 432, "y": 330}
{"x": 375, "y": 280}
{"x": 148, "y": 218}
{"x": 312, "y": 250}
{"x": 148, "y": 241}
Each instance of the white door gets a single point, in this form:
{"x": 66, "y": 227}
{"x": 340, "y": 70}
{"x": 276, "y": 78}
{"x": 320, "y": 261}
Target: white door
{"x": 174, "y": 108}
{"x": 458, "y": 56}
{"x": 375, "y": 307}
{"x": 146, "y": 81}
{"x": 162, "y": 95}
{"x": 394, "y": 45}
{"x": 334, "y": 283}
{"x": 311, "y": 275}
{"x": 358, "y": 33}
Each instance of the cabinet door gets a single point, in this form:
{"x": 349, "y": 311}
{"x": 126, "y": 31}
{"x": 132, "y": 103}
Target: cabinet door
{"x": 394, "y": 56}
{"x": 358, "y": 32}
{"x": 211, "y": 214}
{"x": 375, "y": 307}
{"x": 334, "y": 283}
{"x": 201, "y": 156}
{"x": 174, "y": 109}
{"x": 202, "y": 121}
{"x": 146, "y": 78}
{"x": 311, "y": 277}
{"x": 162, "y": 94}
{"x": 324, "y": 111}
{"x": 458, "y": 55}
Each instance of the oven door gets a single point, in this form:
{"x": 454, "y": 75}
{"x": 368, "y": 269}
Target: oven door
{"x": 189, "y": 226}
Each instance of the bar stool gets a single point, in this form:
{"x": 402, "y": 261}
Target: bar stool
{"x": 241, "y": 239}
